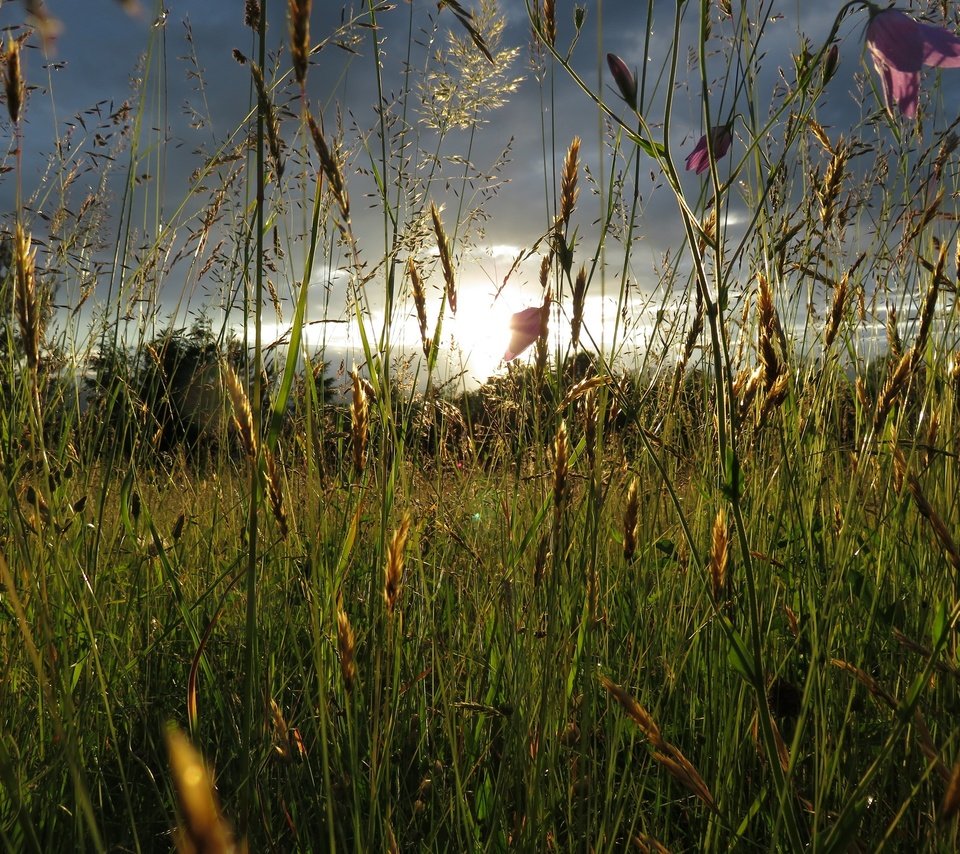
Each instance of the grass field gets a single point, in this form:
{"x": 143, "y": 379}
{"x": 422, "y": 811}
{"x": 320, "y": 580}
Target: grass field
{"x": 701, "y": 599}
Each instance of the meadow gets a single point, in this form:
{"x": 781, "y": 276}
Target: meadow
{"x": 700, "y": 595}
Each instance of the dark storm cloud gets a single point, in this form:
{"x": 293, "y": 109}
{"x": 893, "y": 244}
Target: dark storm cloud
{"x": 101, "y": 50}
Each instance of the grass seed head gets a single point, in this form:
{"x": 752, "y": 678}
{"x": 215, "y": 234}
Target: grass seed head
{"x": 242, "y": 414}
{"x": 568, "y": 182}
{"x": 420, "y": 303}
{"x": 359, "y": 424}
{"x": 275, "y": 492}
{"x": 204, "y": 831}
{"x": 393, "y": 571}
{"x": 13, "y": 80}
{"x": 767, "y": 329}
{"x": 299, "y": 11}
{"x": 446, "y": 260}
{"x": 579, "y": 298}
{"x": 550, "y": 21}
{"x": 561, "y": 448}
{"x": 630, "y": 517}
{"x": 27, "y": 301}
{"x": 251, "y": 14}
{"x": 331, "y": 168}
{"x": 346, "y": 645}
{"x": 719, "y": 555}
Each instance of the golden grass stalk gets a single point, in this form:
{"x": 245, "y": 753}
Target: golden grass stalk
{"x": 299, "y": 11}
{"x": 271, "y": 122}
{"x": 568, "y": 182}
{"x": 275, "y": 492}
{"x": 630, "y": 517}
{"x": 204, "y": 827}
{"x": 719, "y": 555}
{"x": 332, "y": 169}
{"x": 420, "y": 303}
{"x": 446, "y": 259}
{"x": 359, "y": 424}
{"x": 242, "y": 415}
{"x": 27, "y": 302}
{"x": 393, "y": 570}
{"x": 346, "y": 645}
{"x": 13, "y": 80}
{"x": 579, "y": 298}
{"x": 666, "y": 754}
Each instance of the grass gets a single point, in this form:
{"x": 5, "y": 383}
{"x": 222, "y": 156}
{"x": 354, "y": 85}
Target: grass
{"x": 706, "y": 600}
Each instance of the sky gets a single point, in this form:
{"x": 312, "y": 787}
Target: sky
{"x": 177, "y": 59}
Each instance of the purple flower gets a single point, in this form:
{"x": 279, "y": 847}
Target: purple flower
{"x": 699, "y": 159}
{"x": 624, "y": 78}
{"x": 525, "y": 329}
{"x": 900, "y": 47}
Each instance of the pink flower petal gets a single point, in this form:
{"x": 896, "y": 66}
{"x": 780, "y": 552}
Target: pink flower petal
{"x": 900, "y": 47}
{"x": 941, "y": 49}
{"x": 525, "y": 327}
{"x": 698, "y": 160}
{"x": 895, "y": 40}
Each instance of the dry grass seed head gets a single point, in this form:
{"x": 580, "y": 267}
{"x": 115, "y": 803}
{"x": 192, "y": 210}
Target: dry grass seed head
{"x": 359, "y": 424}
{"x": 346, "y": 645}
{"x": 550, "y": 21}
{"x": 766, "y": 330}
{"x": 299, "y": 11}
{"x": 951, "y": 798}
{"x": 332, "y": 169}
{"x": 275, "y": 492}
{"x": 630, "y": 517}
{"x": 205, "y": 830}
{"x": 568, "y": 182}
{"x": 27, "y": 301}
{"x": 719, "y": 555}
{"x": 561, "y": 448}
{"x": 393, "y": 571}
{"x": 271, "y": 122}
{"x": 829, "y": 191}
{"x": 13, "y": 80}
{"x": 579, "y": 298}
{"x": 446, "y": 260}
{"x": 891, "y": 389}
{"x": 242, "y": 415}
{"x": 894, "y": 343}
{"x": 840, "y": 293}
{"x": 420, "y": 303}
{"x": 251, "y": 14}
